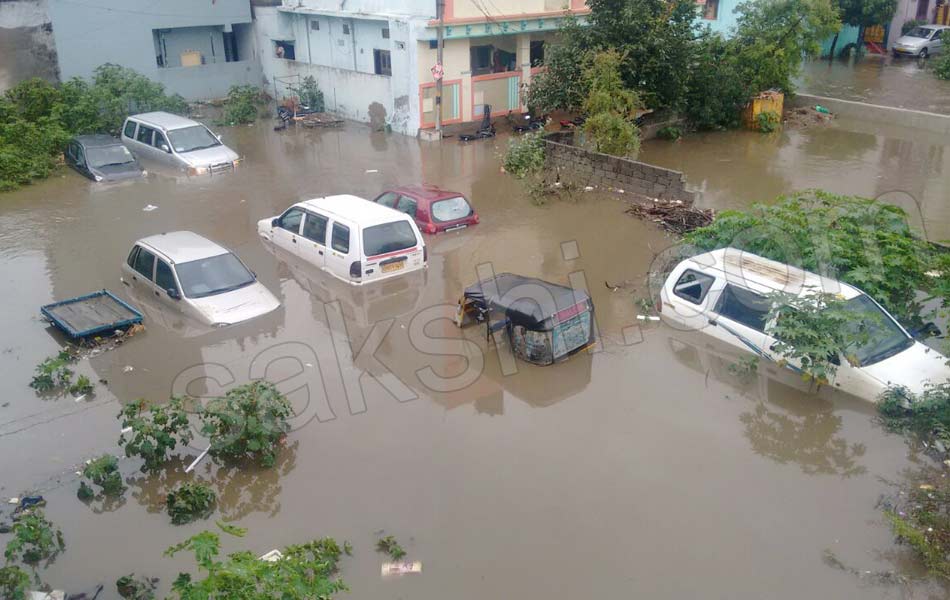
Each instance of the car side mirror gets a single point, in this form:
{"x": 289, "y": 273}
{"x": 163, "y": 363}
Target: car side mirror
{"x": 275, "y": 222}
{"x": 926, "y": 331}
{"x": 173, "y": 294}
{"x": 165, "y": 148}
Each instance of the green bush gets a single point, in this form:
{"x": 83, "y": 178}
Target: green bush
{"x": 308, "y": 570}
{"x": 862, "y": 242}
{"x": 908, "y": 25}
{"x": 390, "y": 546}
{"x": 104, "y": 472}
{"x": 242, "y": 104}
{"x": 34, "y": 539}
{"x": 14, "y": 583}
{"x": 190, "y": 501}
{"x": 610, "y": 107}
{"x": 249, "y": 422}
{"x": 942, "y": 63}
{"x": 669, "y": 132}
{"x": 155, "y": 432}
{"x": 926, "y": 415}
{"x": 525, "y": 155}
{"x": 54, "y": 372}
{"x": 767, "y": 121}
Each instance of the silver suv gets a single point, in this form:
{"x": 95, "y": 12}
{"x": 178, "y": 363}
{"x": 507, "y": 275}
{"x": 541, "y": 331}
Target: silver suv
{"x": 177, "y": 142}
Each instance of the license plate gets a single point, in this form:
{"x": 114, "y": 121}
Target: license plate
{"x": 456, "y": 227}
{"x": 393, "y": 266}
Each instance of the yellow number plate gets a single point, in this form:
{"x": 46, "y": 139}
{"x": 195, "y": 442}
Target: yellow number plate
{"x": 395, "y": 266}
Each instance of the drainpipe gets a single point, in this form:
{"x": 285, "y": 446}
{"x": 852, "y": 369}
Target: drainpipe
{"x": 353, "y": 38}
{"x": 440, "y": 13}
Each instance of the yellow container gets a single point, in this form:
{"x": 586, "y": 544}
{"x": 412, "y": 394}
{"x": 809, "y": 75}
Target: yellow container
{"x": 764, "y": 102}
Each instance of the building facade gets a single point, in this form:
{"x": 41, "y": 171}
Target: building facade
{"x": 373, "y": 59}
{"x": 197, "y": 48}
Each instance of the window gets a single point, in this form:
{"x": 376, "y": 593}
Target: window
{"x": 341, "y": 238}
{"x": 144, "y": 263}
{"x": 743, "y": 307}
{"x": 383, "y": 62}
{"x": 346, "y": 29}
{"x": 385, "y": 33}
{"x": 314, "y": 25}
{"x": 80, "y": 158}
{"x": 434, "y": 44}
{"x": 480, "y": 59}
{"x": 130, "y": 129}
{"x": 711, "y": 10}
{"x": 315, "y": 228}
{"x": 693, "y": 286}
{"x": 214, "y": 275}
{"x": 537, "y": 53}
{"x": 159, "y": 140}
{"x": 388, "y": 199}
{"x": 291, "y": 220}
{"x": 407, "y": 205}
{"x": 131, "y": 259}
{"x": 164, "y": 277}
{"x": 451, "y": 209}
{"x": 389, "y": 237}
{"x": 144, "y": 135}
{"x": 106, "y": 156}
{"x": 285, "y": 50}
{"x": 193, "y": 137}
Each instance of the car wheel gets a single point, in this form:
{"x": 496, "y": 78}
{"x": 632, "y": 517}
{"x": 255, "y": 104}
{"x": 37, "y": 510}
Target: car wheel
{"x": 923, "y": 53}
{"x": 895, "y": 54}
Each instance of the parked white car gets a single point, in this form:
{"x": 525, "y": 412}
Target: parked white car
{"x": 177, "y": 142}
{"x": 196, "y": 276}
{"x": 351, "y": 238}
{"x": 723, "y": 294}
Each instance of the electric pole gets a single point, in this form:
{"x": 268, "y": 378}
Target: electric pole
{"x": 440, "y": 14}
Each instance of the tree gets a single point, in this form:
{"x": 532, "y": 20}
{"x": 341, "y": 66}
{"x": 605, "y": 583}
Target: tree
{"x": 610, "y": 107}
{"x": 561, "y": 84}
{"x": 863, "y": 13}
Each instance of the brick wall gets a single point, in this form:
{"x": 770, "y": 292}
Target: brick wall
{"x": 584, "y": 167}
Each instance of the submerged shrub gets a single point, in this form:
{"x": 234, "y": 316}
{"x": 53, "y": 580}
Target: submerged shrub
{"x": 104, "y": 472}
{"x": 34, "y": 539}
{"x": 190, "y": 501}
{"x": 390, "y": 546}
{"x": 926, "y": 415}
{"x": 155, "y": 432}
{"x": 921, "y": 519}
{"x": 14, "y": 583}
{"x": 767, "y": 121}
{"x": 525, "y": 155}
{"x": 248, "y": 422}
{"x": 242, "y": 104}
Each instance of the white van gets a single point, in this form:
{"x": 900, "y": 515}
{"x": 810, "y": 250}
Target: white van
{"x": 723, "y": 294}
{"x": 353, "y": 239}
{"x": 177, "y": 142}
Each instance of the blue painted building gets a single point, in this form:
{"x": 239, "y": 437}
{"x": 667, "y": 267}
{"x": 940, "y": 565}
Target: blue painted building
{"x": 719, "y": 15}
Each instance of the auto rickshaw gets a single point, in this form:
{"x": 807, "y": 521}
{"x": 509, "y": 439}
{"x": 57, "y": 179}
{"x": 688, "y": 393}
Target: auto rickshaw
{"x": 545, "y": 322}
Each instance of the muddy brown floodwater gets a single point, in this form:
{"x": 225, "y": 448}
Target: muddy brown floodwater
{"x": 644, "y": 469}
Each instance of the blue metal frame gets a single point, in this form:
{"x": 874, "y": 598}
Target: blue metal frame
{"x": 46, "y": 310}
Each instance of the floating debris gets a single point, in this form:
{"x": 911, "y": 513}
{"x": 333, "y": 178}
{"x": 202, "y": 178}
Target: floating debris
{"x": 674, "y": 216}
{"x": 401, "y": 568}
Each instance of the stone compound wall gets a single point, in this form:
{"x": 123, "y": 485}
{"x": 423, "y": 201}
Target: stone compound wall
{"x": 584, "y": 167}
{"x": 27, "y": 48}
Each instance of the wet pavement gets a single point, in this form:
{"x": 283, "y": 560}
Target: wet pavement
{"x": 646, "y": 468}
{"x": 875, "y": 79}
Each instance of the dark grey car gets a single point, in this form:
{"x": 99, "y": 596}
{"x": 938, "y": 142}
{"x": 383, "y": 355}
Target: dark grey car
{"x": 102, "y": 158}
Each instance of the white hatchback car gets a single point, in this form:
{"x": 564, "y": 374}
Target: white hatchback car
{"x": 196, "y": 276}
{"x": 723, "y": 293}
{"x": 351, "y": 238}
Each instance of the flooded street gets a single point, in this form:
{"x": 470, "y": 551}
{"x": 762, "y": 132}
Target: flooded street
{"x": 646, "y": 468}
{"x": 901, "y": 82}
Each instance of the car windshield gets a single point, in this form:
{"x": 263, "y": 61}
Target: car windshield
{"x": 196, "y": 137}
{"x": 880, "y": 336}
{"x": 389, "y": 237}
{"x": 215, "y": 275}
{"x": 109, "y": 155}
{"x": 920, "y": 32}
{"x": 451, "y": 209}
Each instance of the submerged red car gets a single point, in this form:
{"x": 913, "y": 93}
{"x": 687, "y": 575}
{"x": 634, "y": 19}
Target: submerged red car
{"x": 434, "y": 210}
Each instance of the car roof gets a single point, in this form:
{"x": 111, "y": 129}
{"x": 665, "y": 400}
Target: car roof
{"x": 97, "y": 140}
{"x": 764, "y": 275}
{"x": 354, "y": 208}
{"x": 183, "y": 246}
{"x": 425, "y": 192}
{"x": 165, "y": 120}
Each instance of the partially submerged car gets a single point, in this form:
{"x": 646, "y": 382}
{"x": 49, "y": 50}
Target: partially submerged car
{"x": 351, "y": 238}
{"x": 544, "y": 322}
{"x": 725, "y": 294}
{"x": 177, "y": 142}
{"x": 102, "y": 158}
{"x": 921, "y": 41}
{"x": 198, "y": 277}
{"x": 434, "y": 210}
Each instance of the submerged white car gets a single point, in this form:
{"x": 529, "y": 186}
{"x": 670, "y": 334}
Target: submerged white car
{"x": 198, "y": 277}
{"x": 723, "y": 293}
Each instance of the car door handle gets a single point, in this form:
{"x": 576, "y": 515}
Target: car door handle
{"x": 157, "y": 294}
{"x": 134, "y": 278}
{"x": 293, "y": 239}
{"x": 320, "y": 252}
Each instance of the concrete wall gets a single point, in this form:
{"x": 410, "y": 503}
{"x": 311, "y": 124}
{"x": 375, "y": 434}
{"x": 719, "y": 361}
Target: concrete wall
{"x": 872, "y": 113}
{"x": 725, "y": 20}
{"x": 584, "y": 167}
{"x": 418, "y": 8}
{"x": 27, "y": 48}
{"x": 120, "y": 31}
{"x": 209, "y": 81}
{"x": 847, "y": 35}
